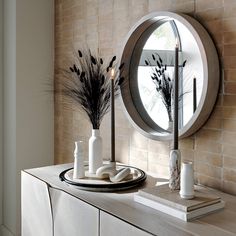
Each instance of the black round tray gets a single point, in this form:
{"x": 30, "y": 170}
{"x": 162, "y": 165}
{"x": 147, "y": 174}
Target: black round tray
{"x": 101, "y": 185}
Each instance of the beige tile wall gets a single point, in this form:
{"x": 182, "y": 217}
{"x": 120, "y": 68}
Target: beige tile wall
{"x": 104, "y": 24}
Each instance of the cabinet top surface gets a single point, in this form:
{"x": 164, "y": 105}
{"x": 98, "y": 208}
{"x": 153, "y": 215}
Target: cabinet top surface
{"x": 121, "y": 205}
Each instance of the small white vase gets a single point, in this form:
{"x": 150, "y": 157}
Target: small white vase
{"x": 187, "y": 181}
{"x": 95, "y": 151}
{"x": 78, "y": 161}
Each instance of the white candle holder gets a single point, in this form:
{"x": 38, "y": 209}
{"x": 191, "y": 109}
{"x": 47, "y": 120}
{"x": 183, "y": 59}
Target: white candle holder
{"x": 174, "y": 165}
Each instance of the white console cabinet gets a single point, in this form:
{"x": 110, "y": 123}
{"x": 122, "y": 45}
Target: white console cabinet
{"x": 52, "y": 208}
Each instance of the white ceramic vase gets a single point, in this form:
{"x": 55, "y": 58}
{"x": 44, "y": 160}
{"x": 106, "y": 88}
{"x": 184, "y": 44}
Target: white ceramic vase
{"x": 78, "y": 161}
{"x": 187, "y": 180}
{"x": 95, "y": 151}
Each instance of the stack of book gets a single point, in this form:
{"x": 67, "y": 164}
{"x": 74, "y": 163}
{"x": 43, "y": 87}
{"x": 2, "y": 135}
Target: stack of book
{"x": 163, "y": 199}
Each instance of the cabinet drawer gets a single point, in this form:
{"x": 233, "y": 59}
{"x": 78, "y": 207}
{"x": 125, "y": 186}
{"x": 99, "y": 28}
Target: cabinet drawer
{"x": 72, "y": 216}
{"x": 110, "y": 225}
{"x": 36, "y": 215}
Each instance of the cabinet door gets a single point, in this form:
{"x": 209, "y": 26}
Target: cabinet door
{"x": 110, "y": 225}
{"x": 73, "y": 217}
{"x": 36, "y": 215}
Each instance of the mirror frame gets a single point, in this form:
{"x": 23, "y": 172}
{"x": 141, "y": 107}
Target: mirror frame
{"x": 211, "y": 75}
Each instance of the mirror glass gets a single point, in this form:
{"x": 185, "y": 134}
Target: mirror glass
{"x": 156, "y": 70}
{"x": 148, "y": 56}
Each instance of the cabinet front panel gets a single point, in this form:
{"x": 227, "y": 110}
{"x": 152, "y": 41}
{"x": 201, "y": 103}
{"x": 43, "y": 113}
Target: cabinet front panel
{"x": 36, "y": 215}
{"x": 112, "y": 226}
{"x": 73, "y": 217}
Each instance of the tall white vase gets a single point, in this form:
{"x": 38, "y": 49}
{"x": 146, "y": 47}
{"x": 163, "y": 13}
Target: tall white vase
{"x": 95, "y": 151}
{"x": 187, "y": 180}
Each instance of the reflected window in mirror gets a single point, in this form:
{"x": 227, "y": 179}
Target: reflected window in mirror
{"x": 155, "y": 88}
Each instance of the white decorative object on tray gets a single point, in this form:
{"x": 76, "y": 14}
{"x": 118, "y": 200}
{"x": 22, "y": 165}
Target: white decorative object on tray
{"x": 187, "y": 180}
{"x": 107, "y": 170}
{"x": 95, "y": 151}
{"x": 78, "y": 160}
{"x": 163, "y": 199}
{"x": 92, "y": 182}
{"x": 113, "y": 173}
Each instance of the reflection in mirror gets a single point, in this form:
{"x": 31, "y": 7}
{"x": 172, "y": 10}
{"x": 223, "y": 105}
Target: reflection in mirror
{"x": 155, "y": 74}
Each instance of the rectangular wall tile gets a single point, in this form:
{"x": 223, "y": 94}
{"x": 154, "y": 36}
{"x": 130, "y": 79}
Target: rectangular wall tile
{"x": 229, "y": 125}
{"x": 211, "y": 14}
{"x": 230, "y": 50}
{"x": 138, "y": 158}
{"x": 159, "y": 147}
{"x": 228, "y": 137}
{"x": 208, "y": 170}
{"x": 209, "y": 181}
{"x": 138, "y": 140}
{"x": 229, "y": 187}
{"x": 229, "y": 175}
{"x": 230, "y": 162}
{"x": 208, "y": 145}
{"x": 229, "y": 24}
{"x": 208, "y": 134}
{"x": 229, "y": 100}
{"x": 210, "y": 4}
{"x": 208, "y": 158}
{"x": 230, "y": 75}
{"x": 229, "y": 150}
{"x": 229, "y": 113}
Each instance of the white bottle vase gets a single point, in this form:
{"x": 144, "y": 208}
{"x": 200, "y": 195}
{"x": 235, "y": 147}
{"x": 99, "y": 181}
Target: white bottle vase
{"x": 187, "y": 181}
{"x": 95, "y": 151}
{"x": 78, "y": 161}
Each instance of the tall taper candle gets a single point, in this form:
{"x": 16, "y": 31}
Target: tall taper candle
{"x": 176, "y": 97}
{"x": 194, "y": 95}
{"x": 112, "y": 117}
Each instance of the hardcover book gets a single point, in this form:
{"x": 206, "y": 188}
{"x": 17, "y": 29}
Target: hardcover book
{"x": 164, "y": 195}
{"x": 163, "y": 199}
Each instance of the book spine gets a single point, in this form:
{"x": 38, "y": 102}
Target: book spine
{"x": 163, "y": 201}
{"x": 160, "y": 207}
{"x": 205, "y": 210}
{"x": 178, "y": 213}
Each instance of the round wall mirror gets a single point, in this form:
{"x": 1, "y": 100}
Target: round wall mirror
{"x": 147, "y": 92}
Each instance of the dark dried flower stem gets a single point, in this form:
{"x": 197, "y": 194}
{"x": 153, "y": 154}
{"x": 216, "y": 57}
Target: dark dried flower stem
{"x": 87, "y": 83}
